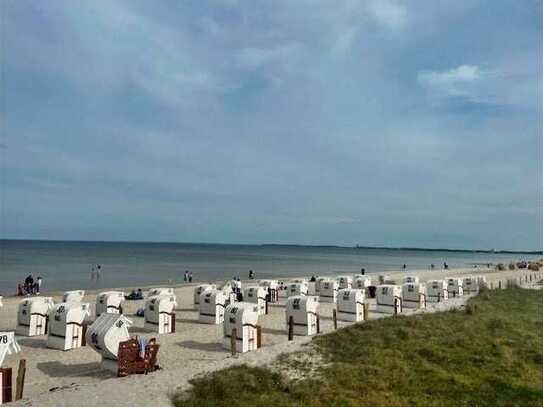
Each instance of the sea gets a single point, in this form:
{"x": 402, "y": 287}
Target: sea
{"x": 65, "y": 265}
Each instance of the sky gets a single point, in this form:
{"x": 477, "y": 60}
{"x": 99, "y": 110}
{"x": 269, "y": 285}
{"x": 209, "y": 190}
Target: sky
{"x": 372, "y": 122}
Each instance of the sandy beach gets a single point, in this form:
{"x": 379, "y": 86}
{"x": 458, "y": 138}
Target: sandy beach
{"x": 56, "y": 378}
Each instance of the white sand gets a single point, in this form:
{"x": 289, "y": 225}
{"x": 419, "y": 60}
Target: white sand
{"x": 195, "y": 348}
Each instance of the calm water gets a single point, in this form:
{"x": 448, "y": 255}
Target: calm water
{"x": 67, "y": 265}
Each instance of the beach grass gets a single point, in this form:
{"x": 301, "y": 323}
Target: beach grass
{"x": 488, "y": 354}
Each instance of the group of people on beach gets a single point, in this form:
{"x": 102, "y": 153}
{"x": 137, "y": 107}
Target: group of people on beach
{"x": 433, "y": 266}
{"x": 187, "y": 277}
{"x": 96, "y": 272}
{"x": 30, "y": 286}
{"x": 135, "y": 295}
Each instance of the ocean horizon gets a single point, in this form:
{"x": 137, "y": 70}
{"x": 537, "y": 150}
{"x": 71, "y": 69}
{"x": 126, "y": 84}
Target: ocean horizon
{"x": 67, "y": 265}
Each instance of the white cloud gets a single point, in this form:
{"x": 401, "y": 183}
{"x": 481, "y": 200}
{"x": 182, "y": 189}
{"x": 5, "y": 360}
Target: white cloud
{"x": 464, "y": 80}
{"x": 254, "y": 57}
{"x": 388, "y": 12}
{"x": 464, "y": 73}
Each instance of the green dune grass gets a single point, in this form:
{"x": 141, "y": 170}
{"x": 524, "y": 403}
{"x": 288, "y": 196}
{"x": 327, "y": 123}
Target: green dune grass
{"x": 490, "y": 354}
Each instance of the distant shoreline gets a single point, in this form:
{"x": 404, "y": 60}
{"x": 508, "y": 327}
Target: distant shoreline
{"x": 414, "y": 249}
{"x": 286, "y": 245}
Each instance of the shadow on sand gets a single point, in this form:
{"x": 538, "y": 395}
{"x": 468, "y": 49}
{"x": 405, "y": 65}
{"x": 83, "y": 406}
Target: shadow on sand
{"x": 272, "y": 331}
{"x": 188, "y": 321}
{"x": 203, "y": 346}
{"x": 58, "y": 369}
{"x": 38, "y": 342}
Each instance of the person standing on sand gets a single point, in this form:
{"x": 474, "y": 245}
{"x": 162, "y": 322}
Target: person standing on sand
{"x": 362, "y": 271}
{"x": 29, "y": 283}
{"x": 186, "y": 276}
{"x": 190, "y": 277}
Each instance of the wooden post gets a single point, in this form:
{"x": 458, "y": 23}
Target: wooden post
{"x": 6, "y": 382}
{"x": 439, "y": 296}
{"x": 395, "y": 306}
{"x": 83, "y": 334}
{"x": 233, "y": 339}
{"x": 259, "y": 336}
{"x": 290, "y": 328}
{"x": 491, "y": 285}
{"x": 366, "y": 311}
{"x": 267, "y": 311}
{"x": 500, "y": 284}
{"x": 318, "y": 324}
{"x": 20, "y": 379}
{"x": 334, "y": 317}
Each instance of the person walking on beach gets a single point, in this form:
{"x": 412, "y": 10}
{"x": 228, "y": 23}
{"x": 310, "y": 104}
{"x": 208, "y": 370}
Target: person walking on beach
{"x": 251, "y": 275}
{"x": 362, "y": 271}
{"x": 186, "y": 276}
{"x": 190, "y": 277}
{"x": 38, "y": 285}
{"x": 404, "y": 266}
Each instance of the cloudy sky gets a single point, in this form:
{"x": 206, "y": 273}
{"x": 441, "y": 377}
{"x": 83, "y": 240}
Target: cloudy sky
{"x": 377, "y": 122}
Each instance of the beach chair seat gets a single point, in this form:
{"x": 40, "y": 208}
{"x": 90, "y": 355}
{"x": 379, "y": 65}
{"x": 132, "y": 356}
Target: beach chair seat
{"x": 130, "y": 360}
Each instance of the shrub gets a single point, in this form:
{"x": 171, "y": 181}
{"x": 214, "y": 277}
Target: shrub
{"x": 512, "y": 266}
{"x": 471, "y": 308}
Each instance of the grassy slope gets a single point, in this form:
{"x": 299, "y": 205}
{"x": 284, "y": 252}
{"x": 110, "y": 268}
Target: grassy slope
{"x": 491, "y": 354}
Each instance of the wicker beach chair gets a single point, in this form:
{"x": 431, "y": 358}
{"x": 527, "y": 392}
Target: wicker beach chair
{"x": 130, "y": 360}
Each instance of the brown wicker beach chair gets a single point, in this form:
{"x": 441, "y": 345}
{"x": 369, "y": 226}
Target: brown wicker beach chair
{"x": 130, "y": 360}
